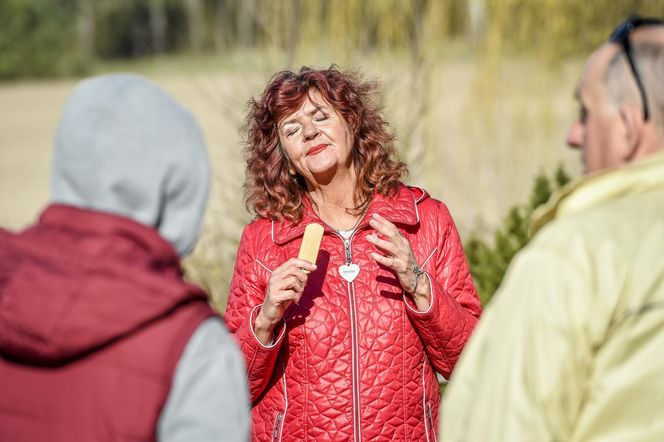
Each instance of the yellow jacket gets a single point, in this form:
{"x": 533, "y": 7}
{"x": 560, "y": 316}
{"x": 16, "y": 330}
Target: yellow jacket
{"x": 572, "y": 346}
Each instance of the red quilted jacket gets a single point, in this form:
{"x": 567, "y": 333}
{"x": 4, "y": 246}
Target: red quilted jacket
{"x": 354, "y": 361}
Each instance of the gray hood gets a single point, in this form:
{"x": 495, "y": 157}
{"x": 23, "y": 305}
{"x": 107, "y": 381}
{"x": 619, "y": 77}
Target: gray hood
{"x": 125, "y": 147}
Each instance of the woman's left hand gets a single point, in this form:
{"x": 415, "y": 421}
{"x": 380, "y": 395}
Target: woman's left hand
{"x": 397, "y": 255}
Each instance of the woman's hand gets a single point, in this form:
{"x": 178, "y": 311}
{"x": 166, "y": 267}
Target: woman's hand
{"x": 396, "y": 254}
{"x": 285, "y": 286}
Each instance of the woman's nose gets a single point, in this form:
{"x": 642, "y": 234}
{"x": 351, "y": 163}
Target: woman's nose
{"x": 309, "y": 131}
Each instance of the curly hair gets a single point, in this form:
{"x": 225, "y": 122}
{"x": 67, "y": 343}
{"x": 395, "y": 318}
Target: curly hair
{"x": 270, "y": 190}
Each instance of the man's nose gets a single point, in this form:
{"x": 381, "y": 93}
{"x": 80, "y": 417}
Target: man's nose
{"x": 575, "y": 135}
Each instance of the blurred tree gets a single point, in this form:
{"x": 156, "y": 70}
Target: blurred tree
{"x": 563, "y": 27}
{"x": 85, "y": 18}
{"x": 221, "y": 26}
{"x": 133, "y": 28}
{"x": 477, "y": 20}
{"x": 293, "y": 20}
{"x": 246, "y": 13}
{"x": 158, "y": 23}
{"x": 346, "y": 28}
{"x": 195, "y": 24}
{"x": 123, "y": 29}
{"x": 38, "y": 38}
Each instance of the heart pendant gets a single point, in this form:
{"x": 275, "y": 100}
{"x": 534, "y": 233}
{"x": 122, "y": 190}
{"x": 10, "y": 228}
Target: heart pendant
{"x": 349, "y": 271}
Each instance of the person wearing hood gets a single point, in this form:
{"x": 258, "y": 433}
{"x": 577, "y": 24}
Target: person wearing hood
{"x": 101, "y": 338}
{"x": 570, "y": 349}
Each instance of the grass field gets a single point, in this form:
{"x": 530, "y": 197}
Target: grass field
{"x": 474, "y": 134}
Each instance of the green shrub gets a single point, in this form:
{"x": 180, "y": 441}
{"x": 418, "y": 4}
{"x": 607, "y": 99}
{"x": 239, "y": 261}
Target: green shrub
{"x": 489, "y": 259}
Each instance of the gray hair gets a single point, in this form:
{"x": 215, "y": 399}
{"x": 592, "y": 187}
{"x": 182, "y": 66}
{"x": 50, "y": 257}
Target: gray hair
{"x": 621, "y": 85}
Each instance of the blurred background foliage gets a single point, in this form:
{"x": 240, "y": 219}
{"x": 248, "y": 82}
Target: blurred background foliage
{"x": 66, "y": 37}
{"x": 478, "y": 92}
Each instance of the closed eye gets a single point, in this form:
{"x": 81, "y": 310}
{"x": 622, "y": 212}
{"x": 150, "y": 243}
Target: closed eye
{"x": 292, "y": 131}
{"x": 320, "y": 116}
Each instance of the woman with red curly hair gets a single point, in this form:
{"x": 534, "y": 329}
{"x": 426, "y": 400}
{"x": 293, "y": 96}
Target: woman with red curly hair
{"x": 346, "y": 348}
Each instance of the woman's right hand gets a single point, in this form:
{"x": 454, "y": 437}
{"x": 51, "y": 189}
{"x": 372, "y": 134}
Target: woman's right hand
{"x": 285, "y": 286}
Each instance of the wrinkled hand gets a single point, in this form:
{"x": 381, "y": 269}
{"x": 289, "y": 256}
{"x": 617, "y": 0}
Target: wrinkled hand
{"x": 285, "y": 286}
{"x": 397, "y": 255}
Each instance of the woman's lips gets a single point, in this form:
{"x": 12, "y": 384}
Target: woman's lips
{"x": 314, "y": 150}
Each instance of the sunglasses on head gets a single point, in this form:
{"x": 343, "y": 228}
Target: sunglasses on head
{"x": 621, "y": 36}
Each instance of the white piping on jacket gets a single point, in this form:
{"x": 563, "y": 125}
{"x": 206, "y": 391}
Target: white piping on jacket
{"x": 263, "y": 265}
{"x": 251, "y": 327}
{"x": 283, "y": 376}
{"x": 424, "y": 403}
{"x": 425, "y": 411}
{"x": 431, "y": 301}
{"x": 429, "y": 257}
{"x": 430, "y": 285}
{"x": 356, "y": 365}
{"x": 283, "y": 418}
{"x": 417, "y": 211}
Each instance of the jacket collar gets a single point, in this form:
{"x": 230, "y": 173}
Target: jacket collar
{"x": 596, "y": 189}
{"x": 400, "y": 208}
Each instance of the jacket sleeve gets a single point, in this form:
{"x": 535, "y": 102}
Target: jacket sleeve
{"x": 454, "y": 304}
{"x": 523, "y": 372}
{"x": 246, "y": 296}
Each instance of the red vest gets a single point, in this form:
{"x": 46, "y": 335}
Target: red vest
{"x": 94, "y": 316}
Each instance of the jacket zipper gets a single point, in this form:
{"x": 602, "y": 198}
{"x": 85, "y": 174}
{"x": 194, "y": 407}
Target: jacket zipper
{"x": 355, "y": 351}
{"x": 276, "y": 433}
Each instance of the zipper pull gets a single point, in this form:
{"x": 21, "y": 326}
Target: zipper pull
{"x": 348, "y": 252}
{"x": 277, "y": 427}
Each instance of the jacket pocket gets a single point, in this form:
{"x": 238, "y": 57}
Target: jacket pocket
{"x": 276, "y": 432}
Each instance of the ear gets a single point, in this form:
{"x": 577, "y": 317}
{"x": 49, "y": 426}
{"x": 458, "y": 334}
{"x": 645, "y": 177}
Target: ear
{"x": 634, "y": 126}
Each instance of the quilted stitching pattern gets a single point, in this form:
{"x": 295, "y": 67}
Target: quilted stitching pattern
{"x": 398, "y": 348}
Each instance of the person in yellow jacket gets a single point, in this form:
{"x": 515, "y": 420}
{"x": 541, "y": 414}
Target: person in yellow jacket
{"x": 572, "y": 346}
